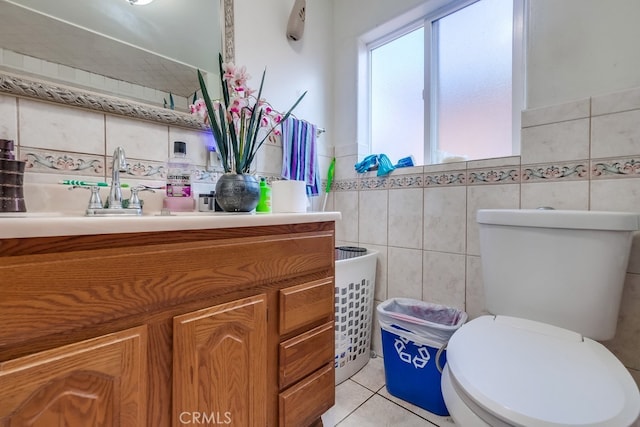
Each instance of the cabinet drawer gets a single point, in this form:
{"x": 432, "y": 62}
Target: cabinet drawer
{"x": 305, "y": 304}
{"x": 303, "y": 354}
{"x": 306, "y": 401}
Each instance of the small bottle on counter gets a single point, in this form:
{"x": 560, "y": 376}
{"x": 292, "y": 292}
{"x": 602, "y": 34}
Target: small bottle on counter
{"x": 178, "y": 193}
{"x": 11, "y": 179}
{"x": 264, "y": 203}
{"x": 6, "y": 149}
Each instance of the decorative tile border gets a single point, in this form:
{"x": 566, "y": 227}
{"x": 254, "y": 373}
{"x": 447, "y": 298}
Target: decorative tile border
{"x": 67, "y": 163}
{"x": 406, "y": 181}
{"x": 373, "y": 183}
{"x": 502, "y": 175}
{"x": 615, "y": 168}
{"x": 46, "y": 161}
{"x": 202, "y": 175}
{"x": 345, "y": 185}
{"x": 445, "y": 178}
{"x": 578, "y": 170}
{"x": 142, "y": 169}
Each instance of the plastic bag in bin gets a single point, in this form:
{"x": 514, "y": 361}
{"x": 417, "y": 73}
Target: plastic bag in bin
{"x": 433, "y": 313}
{"x": 432, "y": 321}
{"x": 414, "y": 311}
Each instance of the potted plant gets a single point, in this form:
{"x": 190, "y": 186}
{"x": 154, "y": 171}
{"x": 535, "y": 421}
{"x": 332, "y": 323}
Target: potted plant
{"x": 240, "y": 123}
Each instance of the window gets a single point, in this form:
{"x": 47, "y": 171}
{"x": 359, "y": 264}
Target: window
{"x": 397, "y": 105}
{"x": 446, "y": 88}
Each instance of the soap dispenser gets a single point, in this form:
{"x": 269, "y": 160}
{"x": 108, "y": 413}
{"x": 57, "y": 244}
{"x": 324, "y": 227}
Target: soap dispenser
{"x": 264, "y": 203}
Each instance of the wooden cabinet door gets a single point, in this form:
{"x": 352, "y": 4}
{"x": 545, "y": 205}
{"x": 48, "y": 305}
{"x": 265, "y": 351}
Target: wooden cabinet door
{"x": 98, "y": 382}
{"x": 220, "y": 364}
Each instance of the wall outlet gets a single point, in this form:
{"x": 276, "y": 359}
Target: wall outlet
{"x": 214, "y": 163}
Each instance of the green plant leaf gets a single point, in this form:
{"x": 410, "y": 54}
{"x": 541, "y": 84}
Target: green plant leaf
{"x": 219, "y": 135}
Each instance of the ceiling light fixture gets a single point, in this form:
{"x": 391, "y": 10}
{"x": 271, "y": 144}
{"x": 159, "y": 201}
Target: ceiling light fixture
{"x": 139, "y": 2}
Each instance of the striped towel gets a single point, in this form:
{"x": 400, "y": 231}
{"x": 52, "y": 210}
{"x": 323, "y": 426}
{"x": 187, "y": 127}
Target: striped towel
{"x": 299, "y": 154}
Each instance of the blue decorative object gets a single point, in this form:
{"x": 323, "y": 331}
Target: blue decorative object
{"x": 405, "y": 162}
{"x": 375, "y": 161}
{"x": 367, "y": 164}
{"x": 384, "y": 165}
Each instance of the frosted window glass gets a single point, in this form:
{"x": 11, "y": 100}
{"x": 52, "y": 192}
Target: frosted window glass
{"x": 397, "y": 107}
{"x": 473, "y": 113}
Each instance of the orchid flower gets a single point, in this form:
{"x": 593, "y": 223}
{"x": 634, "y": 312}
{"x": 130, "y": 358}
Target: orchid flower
{"x": 237, "y": 119}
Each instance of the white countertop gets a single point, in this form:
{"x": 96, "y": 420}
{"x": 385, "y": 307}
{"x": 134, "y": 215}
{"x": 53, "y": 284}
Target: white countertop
{"x": 43, "y": 224}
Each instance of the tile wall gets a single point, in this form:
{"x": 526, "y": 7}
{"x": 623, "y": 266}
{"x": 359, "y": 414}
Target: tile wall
{"x": 61, "y": 142}
{"x": 581, "y": 155}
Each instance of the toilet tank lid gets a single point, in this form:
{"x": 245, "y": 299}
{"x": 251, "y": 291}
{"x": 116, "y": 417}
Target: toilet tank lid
{"x": 557, "y": 218}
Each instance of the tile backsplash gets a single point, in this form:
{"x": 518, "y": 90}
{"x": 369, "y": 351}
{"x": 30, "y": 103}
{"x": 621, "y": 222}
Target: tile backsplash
{"x": 580, "y": 155}
{"x": 59, "y": 141}
{"x": 64, "y": 141}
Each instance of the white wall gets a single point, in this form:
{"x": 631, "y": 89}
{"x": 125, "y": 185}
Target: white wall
{"x": 580, "y": 48}
{"x": 292, "y": 67}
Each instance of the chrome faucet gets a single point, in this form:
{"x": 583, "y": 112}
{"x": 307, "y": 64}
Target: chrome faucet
{"x": 114, "y": 207}
{"x": 119, "y": 165}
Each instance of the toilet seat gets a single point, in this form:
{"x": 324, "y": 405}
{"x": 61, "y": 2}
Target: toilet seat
{"x": 532, "y": 374}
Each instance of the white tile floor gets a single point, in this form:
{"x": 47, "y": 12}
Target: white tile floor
{"x": 363, "y": 401}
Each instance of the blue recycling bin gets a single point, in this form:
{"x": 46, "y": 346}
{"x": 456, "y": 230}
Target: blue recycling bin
{"x": 414, "y": 338}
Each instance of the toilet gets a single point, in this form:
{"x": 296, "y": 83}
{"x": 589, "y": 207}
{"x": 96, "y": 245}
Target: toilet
{"x": 553, "y": 283}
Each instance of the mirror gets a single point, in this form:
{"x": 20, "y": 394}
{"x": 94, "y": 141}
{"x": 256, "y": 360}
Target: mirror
{"x": 113, "y": 56}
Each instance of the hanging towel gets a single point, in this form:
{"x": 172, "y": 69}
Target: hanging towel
{"x": 299, "y": 154}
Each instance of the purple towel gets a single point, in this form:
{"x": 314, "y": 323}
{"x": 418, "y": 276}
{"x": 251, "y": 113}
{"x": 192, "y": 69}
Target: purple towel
{"x": 299, "y": 154}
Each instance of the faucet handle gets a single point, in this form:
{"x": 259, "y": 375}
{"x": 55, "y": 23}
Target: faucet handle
{"x": 134, "y": 200}
{"x": 95, "y": 202}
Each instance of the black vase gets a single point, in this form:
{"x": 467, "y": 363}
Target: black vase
{"x": 237, "y": 192}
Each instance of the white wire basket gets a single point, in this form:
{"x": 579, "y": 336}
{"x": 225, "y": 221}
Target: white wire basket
{"x": 354, "y": 295}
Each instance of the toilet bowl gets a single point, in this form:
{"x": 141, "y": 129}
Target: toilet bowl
{"x": 553, "y": 283}
{"x": 505, "y": 371}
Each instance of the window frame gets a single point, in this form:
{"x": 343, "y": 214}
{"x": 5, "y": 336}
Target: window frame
{"x": 427, "y": 16}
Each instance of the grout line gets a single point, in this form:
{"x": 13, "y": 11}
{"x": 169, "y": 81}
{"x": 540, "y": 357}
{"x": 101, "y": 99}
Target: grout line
{"x": 368, "y": 388}
{"x": 379, "y": 389}
{"x": 407, "y": 409}
{"x": 355, "y": 409}
{"x": 590, "y": 159}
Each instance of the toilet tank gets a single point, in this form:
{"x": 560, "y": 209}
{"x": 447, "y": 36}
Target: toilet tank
{"x": 566, "y": 268}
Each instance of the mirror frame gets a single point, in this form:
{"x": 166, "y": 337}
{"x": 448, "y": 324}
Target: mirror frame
{"x": 24, "y": 87}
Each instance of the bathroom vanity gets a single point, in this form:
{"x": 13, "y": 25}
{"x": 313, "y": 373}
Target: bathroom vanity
{"x": 167, "y": 321}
